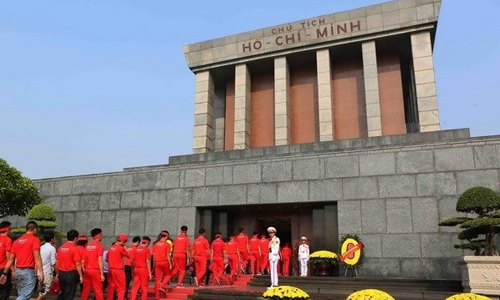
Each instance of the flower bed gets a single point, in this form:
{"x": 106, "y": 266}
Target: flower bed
{"x": 285, "y": 293}
{"x": 370, "y": 294}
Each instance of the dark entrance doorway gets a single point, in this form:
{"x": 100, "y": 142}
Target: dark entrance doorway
{"x": 283, "y": 227}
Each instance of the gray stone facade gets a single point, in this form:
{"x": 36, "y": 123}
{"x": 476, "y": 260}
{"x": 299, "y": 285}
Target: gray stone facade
{"x": 391, "y": 193}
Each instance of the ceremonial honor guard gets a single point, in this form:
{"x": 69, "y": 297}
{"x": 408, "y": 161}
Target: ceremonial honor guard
{"x": 94, "y": 266}
{"x": 303, "y": 256}
{"x": 274, "y": 256}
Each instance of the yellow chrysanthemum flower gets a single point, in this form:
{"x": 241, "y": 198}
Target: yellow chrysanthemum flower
{"x": 286, "y": 293}
{"x": 467, "y": 296}
{"x": 370, "y": 294}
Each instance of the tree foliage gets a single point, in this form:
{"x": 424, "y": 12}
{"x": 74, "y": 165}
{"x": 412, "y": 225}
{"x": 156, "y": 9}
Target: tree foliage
{"x": 478, "y": 233}
{"x": 18, "y": 194}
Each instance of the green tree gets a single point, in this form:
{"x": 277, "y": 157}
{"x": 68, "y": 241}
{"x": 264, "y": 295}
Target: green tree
{"x": 18, "y": 194}
{"x": 482, "y": 206}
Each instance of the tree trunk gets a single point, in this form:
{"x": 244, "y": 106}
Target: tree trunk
{"x": 490, "y": 249}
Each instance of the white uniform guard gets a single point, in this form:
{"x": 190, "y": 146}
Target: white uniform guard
{"x": 274, "y": 256}
{"x": 303, "y": 256}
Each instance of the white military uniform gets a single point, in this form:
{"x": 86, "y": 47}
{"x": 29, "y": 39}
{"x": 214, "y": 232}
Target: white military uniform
{"x": 303, "y": 258}
{"x": 274, "y": 257}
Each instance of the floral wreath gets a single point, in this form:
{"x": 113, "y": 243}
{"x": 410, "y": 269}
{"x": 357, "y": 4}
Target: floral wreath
{"x": 351, "y": 251}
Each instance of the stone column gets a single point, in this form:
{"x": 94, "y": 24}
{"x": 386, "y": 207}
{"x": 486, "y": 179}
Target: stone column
{"x": 203, "y": 140}
{"x": 242, "y": 95}
{"x": 425, "y": 82}
{"x": 372, "y": 97}
{"x": 324, "y": 95}
{"x": 282, "y": 129}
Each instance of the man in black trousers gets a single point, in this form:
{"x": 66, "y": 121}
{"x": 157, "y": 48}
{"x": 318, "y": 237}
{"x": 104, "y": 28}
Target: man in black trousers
{"x": 69, "y": 267}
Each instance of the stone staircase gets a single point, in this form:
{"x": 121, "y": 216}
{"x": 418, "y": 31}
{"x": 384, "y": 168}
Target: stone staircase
{"x": 341, "y": 287}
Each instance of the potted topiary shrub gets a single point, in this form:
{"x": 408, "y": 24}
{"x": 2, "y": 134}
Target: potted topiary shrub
{"x": 45, "y": 217}
{"x": 481, "y": 272}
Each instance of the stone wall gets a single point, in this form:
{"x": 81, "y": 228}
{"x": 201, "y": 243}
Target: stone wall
{"x": 392, "y": 194}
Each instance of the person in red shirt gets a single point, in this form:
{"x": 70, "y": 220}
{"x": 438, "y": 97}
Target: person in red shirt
{"x": 264, "y": 254}
{"x": 243, "y": 248}
{"x": 233, "y": 256}
{"x": 181, "y": 256}
{"x": 5, "y": 246}
{"x": 199, "y": 253}
{"x": 141, "y": 264}
{"x": 68, "y": 266}
{"x": 255, "y": 253}
{"x": 128, "y": 267}
{"x": 116, "y": 274}
{"x": 162, "y": 250}
{"x": 286, "y": 254}
{"x": 93, "y": 265}
{"x": 217, "y": 257}
{"x": 25, "y": 251}
{"x": 80, "y": 247}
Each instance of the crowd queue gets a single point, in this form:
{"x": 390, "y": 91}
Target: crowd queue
{"x": 85, "y": 263}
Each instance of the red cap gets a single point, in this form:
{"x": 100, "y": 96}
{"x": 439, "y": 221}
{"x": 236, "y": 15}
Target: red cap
{"x": 83, "y": 238}
{"x": 122, "y": 238}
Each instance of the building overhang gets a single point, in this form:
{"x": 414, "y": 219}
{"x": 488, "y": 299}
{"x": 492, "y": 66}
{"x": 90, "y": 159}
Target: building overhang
{"x": 366, "y": 23}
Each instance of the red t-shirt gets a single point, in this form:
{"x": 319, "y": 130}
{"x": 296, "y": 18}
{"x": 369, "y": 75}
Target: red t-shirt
{"x": 254, "y": 243}
{"x": 242, "y": 241}
{"x": 131, "y": 249}
{"x": 264, "y": 245}
{"x": 23, "y": 249}
{"x": 67, "y": 257}
{"x": 200, "y": 246}
{"x": 231, "y": 248}
{"x": 92, "y": 252}
{"x": 5, "y": 246}
{"x": 181, "y": 243}
{"x": 141, "y": 255}
{"x": 116, "y": 253}
{"x": 286, "y": 252}
{"x": 217, "y": 247}
{"x": 161, "y": 249}
{"x": 81, "y": 251}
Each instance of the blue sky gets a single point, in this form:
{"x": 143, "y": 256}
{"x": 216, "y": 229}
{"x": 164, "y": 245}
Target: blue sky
{"x": 90, "y": 86}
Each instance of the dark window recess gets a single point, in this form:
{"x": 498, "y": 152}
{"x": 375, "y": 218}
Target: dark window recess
{"x": 410, "y": 96}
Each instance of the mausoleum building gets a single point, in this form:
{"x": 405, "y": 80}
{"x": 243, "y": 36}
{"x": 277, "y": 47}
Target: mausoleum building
{"x": 320, "y": 127}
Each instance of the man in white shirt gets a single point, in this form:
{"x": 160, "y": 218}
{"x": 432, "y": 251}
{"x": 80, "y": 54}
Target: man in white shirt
{"x": 303, "y": 256}
{"x": 48, "y": 254}
{"x": 274, "y": 255}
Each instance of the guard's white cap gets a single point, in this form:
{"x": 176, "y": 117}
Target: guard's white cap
{"x": 303, "y": 238}
{"x": 271, "y": 229}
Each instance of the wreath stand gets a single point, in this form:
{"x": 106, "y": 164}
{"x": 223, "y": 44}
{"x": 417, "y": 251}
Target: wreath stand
{"x": 353, "y": 271}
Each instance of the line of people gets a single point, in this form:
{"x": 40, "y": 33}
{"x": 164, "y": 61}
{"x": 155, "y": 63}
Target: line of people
{"x": 84, "y": 262}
